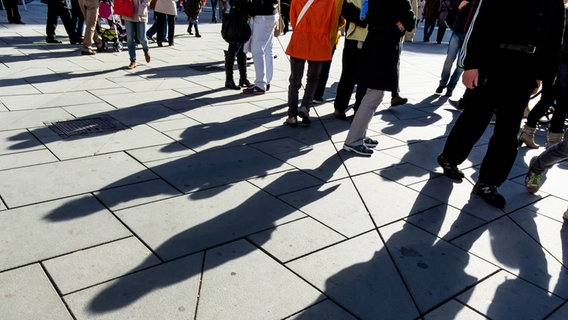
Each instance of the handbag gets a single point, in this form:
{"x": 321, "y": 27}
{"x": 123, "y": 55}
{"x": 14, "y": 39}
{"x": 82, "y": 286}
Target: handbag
{"x": 124, "y": 8}
{"x": 235, "y": 28}
{"x": 280, "y": 24}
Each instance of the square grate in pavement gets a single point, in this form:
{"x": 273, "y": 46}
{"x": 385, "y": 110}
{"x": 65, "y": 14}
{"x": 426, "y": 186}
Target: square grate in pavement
{"x": 92, "y": 125}
{"x": 207, "y": 67}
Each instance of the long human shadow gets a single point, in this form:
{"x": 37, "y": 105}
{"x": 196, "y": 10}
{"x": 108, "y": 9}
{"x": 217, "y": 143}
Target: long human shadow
{"x": 254, "y": 214}
{"x": 172, "y": 106}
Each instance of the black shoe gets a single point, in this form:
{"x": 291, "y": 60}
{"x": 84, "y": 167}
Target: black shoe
{"x": 488, "y": 192}
{"x": 439, "y": 90}
{"x": 398, "y": 100}
{"x": 450, "y": 170}
{"x": 52, "y": 40}
{"x": 449, "y": 92}
{"x": 340, "y": 115}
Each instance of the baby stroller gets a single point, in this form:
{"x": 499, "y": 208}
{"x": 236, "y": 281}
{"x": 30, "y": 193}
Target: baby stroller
{"x": 115, "y": 32}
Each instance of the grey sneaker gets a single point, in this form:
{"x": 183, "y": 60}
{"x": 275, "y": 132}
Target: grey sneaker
{"x": 360, "y": 150}
{"x": 291, "y": 121}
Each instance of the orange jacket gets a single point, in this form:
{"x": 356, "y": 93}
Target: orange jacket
{"x": 314, "y": 37}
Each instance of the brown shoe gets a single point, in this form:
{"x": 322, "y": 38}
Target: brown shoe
{"x": 88, "y": 52}
{"x": 254, "y": 90}
{"x": 132, "y": 65}
{"x": 147, "y": 56}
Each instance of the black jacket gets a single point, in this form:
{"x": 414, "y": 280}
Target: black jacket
{"x": 263, "y": 7}
{"x": 464, "y": 16}
{"x": 501, "y": 29}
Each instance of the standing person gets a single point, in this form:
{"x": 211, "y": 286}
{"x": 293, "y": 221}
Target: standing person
{"x": 442, "y": 15}
{"x": 78, "y": 20}
{"x": 264, "y": 15}
{"x": 355, "y": 34}
{"x": 502, "y": 69}
{"x": 90, "y": 10}
{"x": 193, "y": 9}
{"x": 388, "y": 20}
{"x": 431, "y": 10}
{"x": 136, "y": 28}
{"x": 166, "y": 10}
{"x": 465, "y": 11}
{"x": 12, "y": 11}
{"x": 315, "y": 32}
{"x": 235, "y": 50}
{"x": 58, "y": 9}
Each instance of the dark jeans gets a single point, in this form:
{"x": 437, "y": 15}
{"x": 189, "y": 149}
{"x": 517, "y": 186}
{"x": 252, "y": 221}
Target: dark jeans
{"x": 161, "y": 22}
{"x": 77, "y": 18}
{"x": 12, "y": 11}
{"x": 508, "y": 103}
{"x": 351, "y": 57}
{"x": 296, "y": 74}
{"x": 429, "y": 25}
{"x": 55, "y": 10}
{"x": 547, "y": 98}
{"x": 154, "y": 28}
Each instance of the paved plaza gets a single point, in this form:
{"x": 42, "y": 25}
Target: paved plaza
{"x": 187, "y": 200}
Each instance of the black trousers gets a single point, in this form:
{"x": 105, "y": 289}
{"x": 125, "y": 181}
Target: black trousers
{"x": 161, "y": 22}
{"x": 507, "y": 102}
{"x": 56, "y": 9}
{"x": 349, "y": 73}
{"x": 12, "y": 11}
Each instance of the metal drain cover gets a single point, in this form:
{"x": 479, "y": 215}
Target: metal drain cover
{"x": 93, "y": 125}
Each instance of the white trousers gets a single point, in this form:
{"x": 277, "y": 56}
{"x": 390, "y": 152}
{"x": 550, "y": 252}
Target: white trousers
{"x": 262, "y": 39}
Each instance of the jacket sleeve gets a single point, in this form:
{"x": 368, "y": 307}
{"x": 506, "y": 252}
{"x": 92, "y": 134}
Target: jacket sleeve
{"x": 478, "y": 37}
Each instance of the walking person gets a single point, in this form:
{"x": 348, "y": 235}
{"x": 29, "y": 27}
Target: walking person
{"x": 90, "y": 10}
{"x": 166, "y": 10}
{"x": 235, "y": 50}
{"x": 431, "y": 10}
{"x": 193, "y": 9}
{"x": 264, "y": 15}
{"x": 388, "y": 21}
{"x": 136, "y": 29}
{"x": 11, "y": 7}
{"x": 465, "y": 12}
{"x": 502, "y": 69}
{"x": 315, "y": 25}
{"x": 57, "y": 9}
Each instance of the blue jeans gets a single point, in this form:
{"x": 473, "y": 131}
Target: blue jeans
{"x": 135, "y": 29}
{"x": 551, "y": 156}
{"x": 456, "y": 42}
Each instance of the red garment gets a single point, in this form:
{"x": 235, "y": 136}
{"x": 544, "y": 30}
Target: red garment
{"x": 314, "y": 36}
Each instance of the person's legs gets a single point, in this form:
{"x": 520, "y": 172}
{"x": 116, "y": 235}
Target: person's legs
{"x": 551, "y": 156}
{"x": 140, "y": 34}
{"x": 358, "y": 130}
{"x": 171, "y": 29}
{"x": 214, "y": 9}
{"x": 261, "y": 48}
{"x": 429, "y": 25}
{"x": 90, "y": 11}
{"x": 161, "y": 23}
{"x": 453, "y": 50}
{"x": 295, "y": 82}
{"x": 51, "y": 22}
{"x": 130, "y": 39}
{"x": 561, "y": 108}
{"x": 348, "y": 75}
{"x": 313, "y": 76}
{"x": 441, "y": 31}
{"x": 65, "y": 16}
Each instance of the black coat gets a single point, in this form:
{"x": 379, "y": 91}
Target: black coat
{"x": 381, "y": 50}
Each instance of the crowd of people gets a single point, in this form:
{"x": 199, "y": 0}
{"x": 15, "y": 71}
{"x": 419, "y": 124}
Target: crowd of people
{"x": 501, "y": 68}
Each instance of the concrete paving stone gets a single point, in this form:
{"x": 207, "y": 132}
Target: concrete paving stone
{"x": 136, "y": 194}
{"x": 47, "y": 100}
{"x": 217, "y": 167}
{"x": 322, "y": 161}
{"x": 283, "y": 145}
{"x": 503, "y": 243}
{"x": 504, "y": 296}
{"x": 299, "y": 179}
{"x": 297, "y": 238}
{"x": 87, "y": 110}
{"x": 359, "y": 276}
{"x": 327, "y": 204}
{"x": 325, "y": 310}
{"x": 445, "y": 222}
{"x": 386, "y": 207}
{"x": 144, "y": 114}
{"x": 102, "y": 93}
{"x": 27, "y": 294}
{"x": 173, "y": 123}
{"x": 201, "y": 137}
{"x": 226, "y": 112}
{"x": 88, "y": 267}
{"x": 454, "y": 310}
{"x": 68, "y": 178}
{"x": 2, "y": 205}
{"x": 561, "y": 313}
{"x": 160, "y": 152}
{"x": 434, "y": 270}
{"x": 155, "y": 84}
{"x": 23, "y": 159}
{"x": 16, "y": 87}
{"x": 101, "y": 143}
{"x": 136, "y": 99}
{"x": 405, "y": 173}
{"x": 231, "y": 289}
{"x": 18, "y": 140}
{"x": 42, "y": 231}
{"x": 175, "y": 227}
{"x": 74, "y": 84}
{"x": 166, "y": 291}
{"x": 357, "y": 165}
{"x": 551, "y": 207}
{"x": 31, "y": 118}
